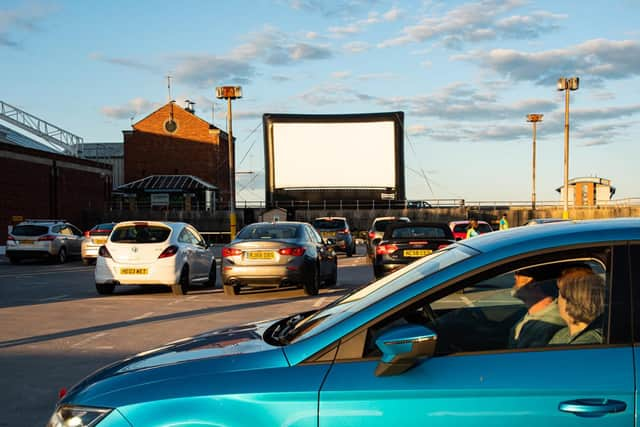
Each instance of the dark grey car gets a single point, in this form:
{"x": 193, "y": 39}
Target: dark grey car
{"x": 337, "y": 229}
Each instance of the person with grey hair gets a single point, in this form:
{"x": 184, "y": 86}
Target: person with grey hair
{"x": 581, "y": 302}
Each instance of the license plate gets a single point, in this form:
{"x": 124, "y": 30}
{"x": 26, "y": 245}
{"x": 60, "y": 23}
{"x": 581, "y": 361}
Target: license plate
{"x": 416, "y": 253}
{"x": 99, "y": 241}
{"x": 26, "y": 242}
{"x": 134, "y": 271}
{"x": 260, "y": 255}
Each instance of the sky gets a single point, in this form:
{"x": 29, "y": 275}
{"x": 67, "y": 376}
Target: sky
{"x": 465, "y": 74}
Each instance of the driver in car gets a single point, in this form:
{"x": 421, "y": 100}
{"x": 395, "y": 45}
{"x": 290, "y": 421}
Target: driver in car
{"x": 538, "y": 292}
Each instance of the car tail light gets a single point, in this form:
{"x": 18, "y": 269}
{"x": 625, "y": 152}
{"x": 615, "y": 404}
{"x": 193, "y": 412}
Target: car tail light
{"x": 372, "y": 234}
{"x": 345, "y": 231}
{"x": 297, "y": 251}
{"x": 48, "y": 237}
{"x": 226, "y": 252}
{"x": 385, "y": 249}
{"x": 169, "y": 252}
{"x": 443, "y": 245}
{"x": 11, "y": 238}
{"x": 104, "y": 252}
{"x": 87, "y": 234}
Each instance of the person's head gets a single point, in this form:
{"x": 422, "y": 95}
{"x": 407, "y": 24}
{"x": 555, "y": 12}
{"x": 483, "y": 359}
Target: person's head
{"x": 533, "y": 285}
{"x": 581, "y": 296}
{"x": 504, "y": 215}
{"x": 473, "y": 223}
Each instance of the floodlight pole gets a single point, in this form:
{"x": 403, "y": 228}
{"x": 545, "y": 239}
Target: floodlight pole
{"x": 229, "y": 93}
{"x": 567, "y": 85}
{"x": 534, "y": 118}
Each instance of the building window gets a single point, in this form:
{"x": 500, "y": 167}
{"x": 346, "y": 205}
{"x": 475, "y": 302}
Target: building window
{"x": 170, "y": 126}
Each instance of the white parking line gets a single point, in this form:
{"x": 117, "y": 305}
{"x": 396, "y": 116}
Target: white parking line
{"x": 89, "y": 339}
{"x": 319, "y": 302}
{"x": 142, "y": 316}
{"x": 21, "y": 275}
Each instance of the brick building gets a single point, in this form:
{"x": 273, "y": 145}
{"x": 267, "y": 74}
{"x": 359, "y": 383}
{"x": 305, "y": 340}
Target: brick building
{"x": 174, "y": 141}
{"x": 40, "y": 184}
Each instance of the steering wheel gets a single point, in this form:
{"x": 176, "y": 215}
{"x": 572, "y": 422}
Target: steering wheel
{"x": 429, "y": 315}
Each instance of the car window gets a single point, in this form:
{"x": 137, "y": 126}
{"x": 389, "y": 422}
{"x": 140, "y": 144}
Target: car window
{"x": 197, "y": 238}
{"x": 66, "y": 230}
{"x": 140, "y": 234}
{"x": 269, "y": 231}
{"x": 460, "y": 228}
{"x": 312, "y": 234}
{"x": 418, "y": 232}
{"x": 526, "y": 304}
{"x": 29, "y": 230}
{"x": 186, "y": 237}
{"x": 74, "y": 230}
{"x": 382, "y": 225}
{"x": 484, "y": 228}
{"x": 330, "y": 224}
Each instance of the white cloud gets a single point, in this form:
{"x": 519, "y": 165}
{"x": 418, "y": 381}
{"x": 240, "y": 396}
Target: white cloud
{"x": 392, "y": 14}
{"x": 131, "y": 109}
{"x": 357, "y": 47}
{"x": 125, "y": 62}
{"x": 340, "y": 74}
{"x": 599, "y": 59}
{"x": 15, "y": 22}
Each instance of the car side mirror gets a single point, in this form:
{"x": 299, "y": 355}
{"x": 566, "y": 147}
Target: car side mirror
{"x": 401, "y": 346}
{"x": 331, "y": 242}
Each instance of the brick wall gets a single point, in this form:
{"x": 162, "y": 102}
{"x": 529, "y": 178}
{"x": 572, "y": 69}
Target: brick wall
{"x": 36, "y": 184}
{"x": 193, "y": 149}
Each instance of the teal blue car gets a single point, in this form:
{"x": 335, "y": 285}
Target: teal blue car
{"x": 530, "y": 326}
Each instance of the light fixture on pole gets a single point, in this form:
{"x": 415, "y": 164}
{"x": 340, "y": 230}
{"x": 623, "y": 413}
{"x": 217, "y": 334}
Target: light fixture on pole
{"x": 534, "y": 118}
{"x": 567, "y": 85}
{"x": 229, "y": 93}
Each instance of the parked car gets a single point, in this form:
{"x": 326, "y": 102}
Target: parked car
{"x": 459, "y": 228}
{"x": 154, "y": 253}
{"x": 337, "y": 229}
{"x": 538, "y": 221}
{"x": 405, "y": 242}
{"x": 43, "y": 238}
{"x": 92, "y": 241}
{"x": 376, "y": 231}
{"x": 280, "y": 253}
{"x": 408, "y": 349}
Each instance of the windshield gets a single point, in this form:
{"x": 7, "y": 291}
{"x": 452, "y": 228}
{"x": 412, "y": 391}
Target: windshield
{"x": 29, "y": 230}
{"x": 140, "y": 234}
{"x": 378, "y": 290}
{"x": 331, "y": 224}
{"x": 269, "y": 231}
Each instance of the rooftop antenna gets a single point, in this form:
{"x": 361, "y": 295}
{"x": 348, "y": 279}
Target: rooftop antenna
{"x": 169, "y": 87}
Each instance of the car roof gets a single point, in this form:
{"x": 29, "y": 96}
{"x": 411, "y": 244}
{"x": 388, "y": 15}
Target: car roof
{"x": 331, "y": 217}
{"x": 391, "y": 218}
{"x": 171, "y": 224}
{"x": 467, "y": 221}
{"x": 560, "y": 233}
{"x": 279, "y": 222}
{"x": 441, "y": 225}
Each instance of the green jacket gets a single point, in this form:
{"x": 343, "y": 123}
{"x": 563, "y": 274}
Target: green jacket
{"x": 535, "y": 330}
{"x": 587, "y": 336}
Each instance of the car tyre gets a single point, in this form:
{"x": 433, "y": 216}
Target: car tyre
{"x": 333, "y": 279}
{"x": 62, "y": 256}
{"x": 312, "y": 284}
{"x": 105, "y": 288}
{"x": 350, "y": 250}
{"x": 13, "y": 260}
{"x": 182, "y": 287}
{"x": 231, "y": 290}
{"x": 211, "y": 282}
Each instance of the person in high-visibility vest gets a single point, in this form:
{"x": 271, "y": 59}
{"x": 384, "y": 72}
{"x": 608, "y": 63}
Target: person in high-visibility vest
{"x": 472, "y": 229}
{"x": 504, "y": 224}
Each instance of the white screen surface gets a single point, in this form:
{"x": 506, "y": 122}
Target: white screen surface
{"x": 318, "y": 155}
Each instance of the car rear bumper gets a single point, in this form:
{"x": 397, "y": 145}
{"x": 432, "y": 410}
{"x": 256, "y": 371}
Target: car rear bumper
{"x": 262, "y": 275}
{"x": 27, "y": 253}
{"x": 90, "y": 250}
{"x": 159, "y": 272}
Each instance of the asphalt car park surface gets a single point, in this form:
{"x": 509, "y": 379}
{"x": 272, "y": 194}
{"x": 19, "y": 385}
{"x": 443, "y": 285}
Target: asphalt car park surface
{"x": 56, "y": 329}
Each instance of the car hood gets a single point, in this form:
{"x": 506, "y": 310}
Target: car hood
{"x": 194, "y": 360}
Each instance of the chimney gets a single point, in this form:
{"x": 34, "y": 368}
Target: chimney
{"x": 189, "y": 106}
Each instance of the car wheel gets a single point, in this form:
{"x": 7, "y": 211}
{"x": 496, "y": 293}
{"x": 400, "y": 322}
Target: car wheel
{"x": 211, "y": 283}
{"x": 333, "y": 279}
{"x": 377, "y": 271}
{"x": 231, "y": 290}
{"x": 13, "y": 260}
{"x": 312, "y": 284}
{"x": 349, "y": 251}
{"x": 105, "y": 288}
{"x": 182, "y": 287}
{"x": 62, "y": 256}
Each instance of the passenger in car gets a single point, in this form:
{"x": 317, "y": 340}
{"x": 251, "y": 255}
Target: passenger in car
{"x": 542, "y": 320}
{"x": 581, "y": 305}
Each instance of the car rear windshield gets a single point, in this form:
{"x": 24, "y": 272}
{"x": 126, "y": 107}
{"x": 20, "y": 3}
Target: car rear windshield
{"x": 460, "y": 228}
{"x": 29, "y": 230}
{"x": 107, "y": 226}
{"x": 484, "y": 228}
{"x": 419, "y": 232}
{"x": 280, "y": 231}
{"x": 140, "y": 234}
{"x": 331, "y": 224}
{"x": 382, "y": 225}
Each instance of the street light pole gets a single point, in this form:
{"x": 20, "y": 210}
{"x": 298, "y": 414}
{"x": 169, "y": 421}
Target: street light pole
{"x": 229, "y": 93}
{"x": 567, "y": 85}
{"x": 534, "y": 118}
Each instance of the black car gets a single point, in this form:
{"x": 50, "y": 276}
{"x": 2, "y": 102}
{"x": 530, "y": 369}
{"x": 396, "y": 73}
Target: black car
{"x": 403, "y": 243}
{"x": 336, "y": 228}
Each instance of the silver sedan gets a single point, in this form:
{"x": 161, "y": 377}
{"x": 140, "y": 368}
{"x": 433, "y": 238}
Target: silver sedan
{"x": 281, "y": 254}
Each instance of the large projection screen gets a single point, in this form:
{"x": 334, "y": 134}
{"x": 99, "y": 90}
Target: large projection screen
{"x": 319, "y": 155}
{"x": 338, "y": 154}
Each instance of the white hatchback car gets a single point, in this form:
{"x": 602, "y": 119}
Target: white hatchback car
{"x": 154, "y": 253}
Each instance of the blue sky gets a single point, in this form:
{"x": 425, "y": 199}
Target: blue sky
{"x": 466, "y": 74}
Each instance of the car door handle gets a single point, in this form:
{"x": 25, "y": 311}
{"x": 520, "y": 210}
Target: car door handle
{"x": 592, "y": 407}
